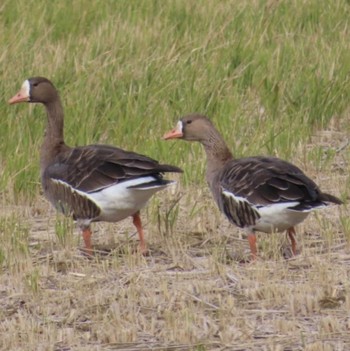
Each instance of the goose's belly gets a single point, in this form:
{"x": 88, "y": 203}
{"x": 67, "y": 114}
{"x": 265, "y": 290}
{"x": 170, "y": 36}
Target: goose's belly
{"x": 278, "y": 218}
{"x": 120, "y": 201}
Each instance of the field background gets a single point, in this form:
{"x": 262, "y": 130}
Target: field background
{"x": 274, "y": 77}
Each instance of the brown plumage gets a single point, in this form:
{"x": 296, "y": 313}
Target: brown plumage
{"x": 256, "y": 193}
{"x": 94, "y": 182}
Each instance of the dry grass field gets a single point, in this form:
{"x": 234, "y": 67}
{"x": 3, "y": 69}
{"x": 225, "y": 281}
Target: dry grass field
{"x": 190, "y": 293}
{"x": 274, "y": 75}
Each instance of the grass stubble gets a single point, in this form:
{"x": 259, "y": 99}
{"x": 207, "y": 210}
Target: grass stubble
{"x": 274, "y": 76}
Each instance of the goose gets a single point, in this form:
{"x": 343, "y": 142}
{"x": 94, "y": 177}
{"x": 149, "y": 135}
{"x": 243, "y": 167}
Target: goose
{"x": 94, "y": 182}
{"x": 258, "y": 193}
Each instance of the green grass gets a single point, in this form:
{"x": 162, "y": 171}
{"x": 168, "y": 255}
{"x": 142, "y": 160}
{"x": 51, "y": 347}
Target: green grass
{"x": 274, "y": 77}
{"x": 268, "y": 73}
{"x": 14, "y": 238}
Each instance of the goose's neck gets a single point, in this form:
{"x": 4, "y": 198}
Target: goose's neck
{"x": 54, "y": 138}
{"x": 217, "y": 152}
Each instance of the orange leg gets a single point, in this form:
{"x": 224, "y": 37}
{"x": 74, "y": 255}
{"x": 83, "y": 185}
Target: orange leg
{"x": 252, "y": 244}
{"x": 137, "y": 223}
{"x": 87, "y": 240}
{"x": 291, "y": 234}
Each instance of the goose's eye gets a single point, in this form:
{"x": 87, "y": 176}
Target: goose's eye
{"x": 35, "y": 84}
{"x": 189, "y": 121}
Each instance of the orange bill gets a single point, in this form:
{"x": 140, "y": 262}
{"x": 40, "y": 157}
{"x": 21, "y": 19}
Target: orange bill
{"x": 22, "y": 95}
{"x": 175, "y": 133}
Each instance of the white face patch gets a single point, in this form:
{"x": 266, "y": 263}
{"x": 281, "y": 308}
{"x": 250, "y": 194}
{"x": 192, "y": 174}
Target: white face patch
{"x": 180, "y": 127}
{"x": 25, "y": 89}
